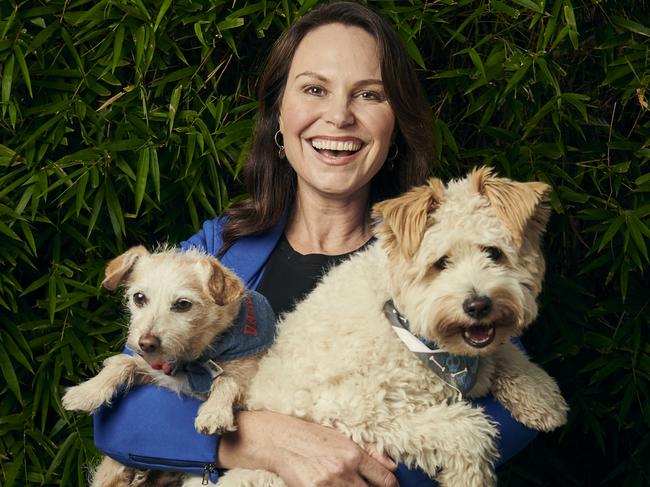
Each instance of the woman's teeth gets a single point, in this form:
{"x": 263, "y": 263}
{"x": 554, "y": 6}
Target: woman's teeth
{"x": 335, "y": 147}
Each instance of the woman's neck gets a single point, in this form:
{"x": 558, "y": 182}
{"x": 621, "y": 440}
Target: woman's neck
{"x": 328, "y": 226}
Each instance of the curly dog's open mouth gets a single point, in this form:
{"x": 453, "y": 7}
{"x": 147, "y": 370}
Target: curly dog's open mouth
{"x": 479, "y": 336}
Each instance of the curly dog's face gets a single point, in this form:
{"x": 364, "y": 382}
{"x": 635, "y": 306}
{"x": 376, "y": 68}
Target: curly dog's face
{"x": 178, "y": 302}
{"x": 466, "y": 261}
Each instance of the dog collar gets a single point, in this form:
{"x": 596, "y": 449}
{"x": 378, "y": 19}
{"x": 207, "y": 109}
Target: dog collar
{"x": 458, "y": 371}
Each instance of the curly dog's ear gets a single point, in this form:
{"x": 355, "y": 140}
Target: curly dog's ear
{"x": 402, "y": 221}
{"x": 521, "y": 207}
{"x": 118, "y": 269}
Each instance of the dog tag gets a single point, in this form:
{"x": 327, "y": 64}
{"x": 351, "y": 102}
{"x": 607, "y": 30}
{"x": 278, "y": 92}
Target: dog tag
{"x": 215, "y": 368}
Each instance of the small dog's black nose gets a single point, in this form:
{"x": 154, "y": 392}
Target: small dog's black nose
{"x": 149, "y": 343}
{"x": 477, "y": 306}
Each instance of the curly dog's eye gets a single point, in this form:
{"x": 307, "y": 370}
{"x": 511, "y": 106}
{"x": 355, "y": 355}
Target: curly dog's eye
{"x": 494, "y": 253}
{"x": 182, "y": 305}
{"x": 140, "y": 299}
{"x": 441, "y": 263}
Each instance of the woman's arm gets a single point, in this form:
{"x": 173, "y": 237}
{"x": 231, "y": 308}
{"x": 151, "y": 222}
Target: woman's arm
{"x": 302, "y": 453}
{"x": 154, "y": 428}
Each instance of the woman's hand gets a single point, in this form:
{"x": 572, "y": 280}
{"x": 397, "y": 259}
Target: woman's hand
{"x": 303, "y": 453}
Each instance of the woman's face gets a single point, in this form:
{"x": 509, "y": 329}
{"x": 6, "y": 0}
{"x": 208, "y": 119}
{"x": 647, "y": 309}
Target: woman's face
{"x": 335, "y": 119}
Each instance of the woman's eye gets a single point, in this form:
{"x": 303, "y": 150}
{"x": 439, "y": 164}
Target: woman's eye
{"x": 139, "y": 299}
{"x": 182, "y": 305}
{"x": 314, "y": 90}
{"x": 371, "y": 95}
{"x": 494, "y": 253}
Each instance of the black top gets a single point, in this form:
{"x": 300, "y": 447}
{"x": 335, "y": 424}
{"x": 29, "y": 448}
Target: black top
{"x": 290, "y": 276}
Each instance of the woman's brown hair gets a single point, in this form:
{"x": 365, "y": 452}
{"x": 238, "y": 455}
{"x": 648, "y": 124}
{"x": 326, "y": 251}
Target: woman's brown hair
{"x": 270, "y": 180}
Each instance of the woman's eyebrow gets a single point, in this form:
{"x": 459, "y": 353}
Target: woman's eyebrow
{"x": 320, "y": 77}
{"x": 311, "y": 74}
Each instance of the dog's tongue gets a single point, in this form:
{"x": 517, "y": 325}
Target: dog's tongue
{"x": 162, "y": 365}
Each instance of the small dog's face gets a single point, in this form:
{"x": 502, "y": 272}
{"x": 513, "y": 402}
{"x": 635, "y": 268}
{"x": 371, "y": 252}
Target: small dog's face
{"x": 178, "y": 302}
{"x": 466, "y": 263}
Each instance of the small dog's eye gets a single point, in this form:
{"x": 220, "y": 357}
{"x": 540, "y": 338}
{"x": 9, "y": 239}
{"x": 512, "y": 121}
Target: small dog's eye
{"x": 139, "y": 299}
{"x": 494, "y": 253}
{"x": 182, "y": 305}
{"x": 441, "y": 263}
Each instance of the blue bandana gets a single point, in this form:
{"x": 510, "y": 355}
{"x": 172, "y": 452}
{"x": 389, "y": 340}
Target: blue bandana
{"x": 457, "y": 371}
{"x": 252, "y": 332}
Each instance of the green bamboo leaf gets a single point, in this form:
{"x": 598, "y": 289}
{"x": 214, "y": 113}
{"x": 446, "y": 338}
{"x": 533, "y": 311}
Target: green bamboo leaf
{"x": 476, "y": 59}
{"x": 6, "y": 229}
{"x": 139, "y": 38}
{"x": 80, "y": 193}
{"x": 23, "y": 68}
{"x": 155, "y": 170}
{"x": 570, "y": 19}
{"x": 14, "y": 350}
{"x": 142, "y": 174}
{"x": 97, "y": 207}
{"x": 189, "y": 149}
{"x": 613, "y": 229}
{"x": 123, "y": 145}
{"x": 632, "y": 26}
{"x": 118, "y": 42}
{"x": 29, "y": 236}
{"x": 143, "y": 9}
{"x": 198, "y": 31}
{"x": 517, "y": 77}
{"x": 634, "y": 224}
{"x": 114, "y": 208}
{"x": 414, "y": 52}
{"x": 9, "y": 373}
{"x": 42, "y": 37}
{"x": 230, "y": 23}
{"x": 531, "y": 5}
{"x": 9, "y": 22}
{"x": 62, "y": 452}
{"x": 37, "y": 284}
{"x": 65, "y": 35}
{"x": 173, "y": 105}
{"x": 14, "y": 468}
{"x": 161, "y": 13}
{"x": 51, "y": 296}
{"x": 7, "y": 79}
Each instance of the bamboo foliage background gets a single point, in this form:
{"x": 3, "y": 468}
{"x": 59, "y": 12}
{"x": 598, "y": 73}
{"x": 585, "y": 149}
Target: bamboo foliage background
{"x": 127, "y": 121}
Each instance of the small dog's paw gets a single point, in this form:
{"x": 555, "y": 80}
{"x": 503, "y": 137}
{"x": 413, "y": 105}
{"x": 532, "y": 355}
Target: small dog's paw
{"x": 213, "y": 421}
{"x": 78, "y": 398}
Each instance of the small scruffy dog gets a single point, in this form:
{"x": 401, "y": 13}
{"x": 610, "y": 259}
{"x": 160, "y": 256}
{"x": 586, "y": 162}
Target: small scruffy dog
{"x": 459, "y": 265}
{"x": 185, "y": 309}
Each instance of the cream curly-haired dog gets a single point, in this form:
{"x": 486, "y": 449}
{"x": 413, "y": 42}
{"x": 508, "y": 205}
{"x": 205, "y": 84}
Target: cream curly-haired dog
{"x": 462, "y": 264}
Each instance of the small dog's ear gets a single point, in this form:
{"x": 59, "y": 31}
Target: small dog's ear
{"x": 522, "y": 207}
{"x": 120, "y": 267}
{"x": 402, "y": 221}
{"x": 224, "y": 286}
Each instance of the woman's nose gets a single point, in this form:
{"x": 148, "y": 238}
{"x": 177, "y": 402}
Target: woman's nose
{"x": 339, "y": 112}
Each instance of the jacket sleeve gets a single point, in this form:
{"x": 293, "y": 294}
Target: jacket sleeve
{"x": 152, "y": 427}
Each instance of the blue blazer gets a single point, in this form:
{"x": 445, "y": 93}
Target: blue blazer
{"x": 152, "y": 427}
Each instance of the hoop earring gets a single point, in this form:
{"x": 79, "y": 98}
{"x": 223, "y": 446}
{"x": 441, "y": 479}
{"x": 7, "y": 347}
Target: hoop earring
{"x": 281, "y": 153}
{"x": 394, "y": 156}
